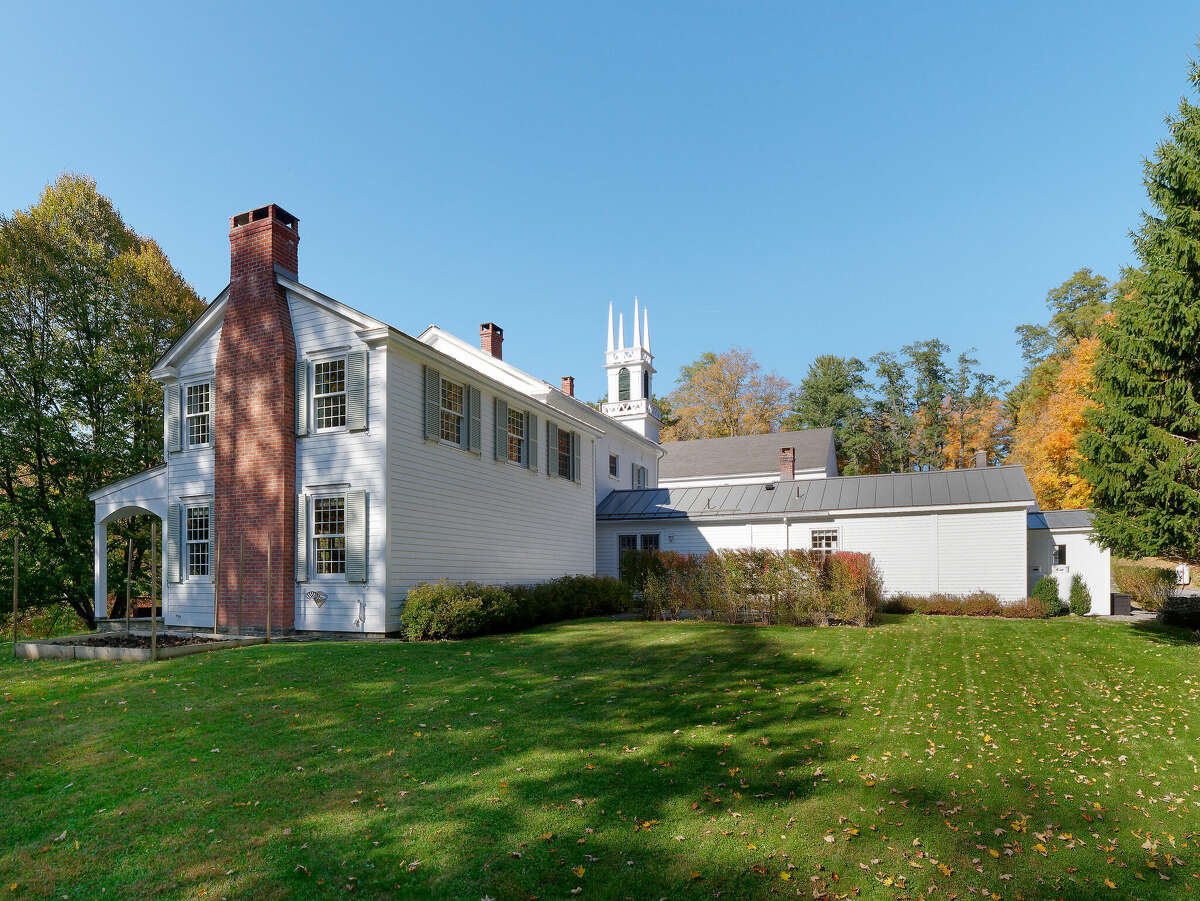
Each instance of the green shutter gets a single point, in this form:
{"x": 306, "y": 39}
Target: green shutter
{"x": 174, "y": 570}
{"x": 356, "y": 391}
{"x": 301, "y": 397}
{"x": 433, "y": 403}
{"x": 212, "y": 543}
{"x": 301, "y": 538}
{"x": 473, "y": 419}
{"x": 576, "y": 476}
{"x": 171, "y": 397}
{"x": 551, "y": 449}
{"x": 500, "y": 429}
{"x": 356, "y": 536}
{"x": 531, "y": 442}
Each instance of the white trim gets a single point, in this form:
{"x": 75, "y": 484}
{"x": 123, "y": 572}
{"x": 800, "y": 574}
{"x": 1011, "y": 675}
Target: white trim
{"x": 128, "y": 482}
{"x": 362, "y": 320}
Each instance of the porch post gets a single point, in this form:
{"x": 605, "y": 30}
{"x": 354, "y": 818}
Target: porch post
{"x": 100, "y": 569}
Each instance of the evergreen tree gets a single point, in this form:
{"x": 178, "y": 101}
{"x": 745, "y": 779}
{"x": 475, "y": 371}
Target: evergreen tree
{"x": 831, "y": 395}
{"x": 1141, "y": 452}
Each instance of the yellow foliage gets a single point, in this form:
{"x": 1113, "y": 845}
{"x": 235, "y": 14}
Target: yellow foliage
{"x": 1046, "y": 439}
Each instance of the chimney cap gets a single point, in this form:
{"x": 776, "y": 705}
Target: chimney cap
{"x": 270, "y": 211}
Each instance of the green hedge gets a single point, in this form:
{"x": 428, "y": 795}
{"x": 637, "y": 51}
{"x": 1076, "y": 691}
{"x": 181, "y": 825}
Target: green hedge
{"x": 1149, "y": 586}
{"x": 793, "y": 587}
{"x": 464, "y": 609}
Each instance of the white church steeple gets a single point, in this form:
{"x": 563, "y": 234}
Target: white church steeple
{"x": 631, "y": 375}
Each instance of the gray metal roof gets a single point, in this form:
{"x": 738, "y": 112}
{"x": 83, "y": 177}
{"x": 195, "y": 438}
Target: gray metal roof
{"x": 993, "y": 484}
{"x": 744, "y": 453}
{"x": 1061, "y": 519}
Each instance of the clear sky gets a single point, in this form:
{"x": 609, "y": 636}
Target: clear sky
{"x": 793, "y": 178}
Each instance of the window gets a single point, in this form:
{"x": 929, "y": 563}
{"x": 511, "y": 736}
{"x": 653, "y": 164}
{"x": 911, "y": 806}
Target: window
{"x": 825, "y": 540}
{"x": 1060, "y": 555}
{"x": 646, "y": 384}
{"x": 329, "y": 535}
{"x": 197, "y": 410}
{"x": 614, "y": 466}
{"x": 329, "y": 393}
{"x": 639, "y": 476}
{"x": 649, "y": 542}
{"x": 452, "y": 412}
{"x": 626, "y": 543}
{"x": 564, "y": 454}
{"x": 196, "y": 539}
{"x": 623, "y": 384}
{"x": 516, "y": 436}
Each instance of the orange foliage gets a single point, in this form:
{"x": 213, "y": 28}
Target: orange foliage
{"x": 985, "y": 430}
{"x": 1046, "y": 439}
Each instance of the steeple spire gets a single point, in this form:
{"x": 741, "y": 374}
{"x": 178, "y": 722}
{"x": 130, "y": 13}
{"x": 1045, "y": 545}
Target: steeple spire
{"x": 621, "y": 331}
{"x": 646, "y": 329}
{"x": 610, "y": 328}
{"x": 637, "y": 325}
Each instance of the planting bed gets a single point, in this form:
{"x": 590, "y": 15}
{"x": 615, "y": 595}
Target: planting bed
{"x": 132, "y": 646}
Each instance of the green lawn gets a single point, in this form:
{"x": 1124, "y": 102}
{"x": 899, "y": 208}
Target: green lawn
{"x": 935, "y": 757}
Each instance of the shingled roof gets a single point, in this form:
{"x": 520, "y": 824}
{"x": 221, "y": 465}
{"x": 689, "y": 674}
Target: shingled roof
{"x": 743, "y": 454}
{"x": 992, "y": 484}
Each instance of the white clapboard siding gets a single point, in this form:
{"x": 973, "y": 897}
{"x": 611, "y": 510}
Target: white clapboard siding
{"x": 904, "y": 547}
{"x": 189, "y": 483}
{"x": 460, "y": 515}
{"x": 983, "y": 550}
{"x": 333, "y": 462}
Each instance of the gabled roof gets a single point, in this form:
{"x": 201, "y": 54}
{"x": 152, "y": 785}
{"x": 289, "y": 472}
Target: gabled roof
{"x": 955, "y": 487}
{"x": 744, "y": 454}
{"x": 1060, "y": 519}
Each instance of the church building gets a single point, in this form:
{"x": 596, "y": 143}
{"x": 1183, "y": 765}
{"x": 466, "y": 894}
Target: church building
{"x": 353, "y": 460}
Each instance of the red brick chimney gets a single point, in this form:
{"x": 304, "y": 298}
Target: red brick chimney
{"x": 254, "y": 441}
{"x": 568, "y": 385}
{"x": 787, "y": 464}
{"x": 491, "y": 339}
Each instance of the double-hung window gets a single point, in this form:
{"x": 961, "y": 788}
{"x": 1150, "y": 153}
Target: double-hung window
{"x": 639, "y": 476}
{"x": 329, "y": 535}
{"x": 452, "y": 412}
{"x": 564, "y": 454}
{"x": 197, "y": 410}
{"x": 614, "y": 466}
{"x": 196, "y": 539}
{"x": 825, "y": 541}
{"x": 516, "y": 437}
{"x": 649, "y": 542}
{"x": 1060, "y": 555}
{"x": 329, "y": 393}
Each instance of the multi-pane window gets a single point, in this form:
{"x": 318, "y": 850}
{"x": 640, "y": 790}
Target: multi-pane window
{"x": 329, "y": 393}
{"x": 564, "y": 454}
{"x": 329, "y": 535}
{"x": 639, "y": 476}
{"x": 196, "y": 540}
{"x": 649, "y": 542}
{"x": 516, "y": 436}
{"x": 1060, "y": 555}
{"x": 452, "y": 412}
{"x": 614, "y": 466}
{"x": 825, "y": 540}
{"x": 197, "y": 409}
{"x": 626, "y": 543}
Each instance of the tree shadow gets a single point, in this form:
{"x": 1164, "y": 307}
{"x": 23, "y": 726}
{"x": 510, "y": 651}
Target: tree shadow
{"x": 1161, "y": 633}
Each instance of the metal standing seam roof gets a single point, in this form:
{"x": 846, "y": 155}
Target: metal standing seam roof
{"x": 1061, "y": 519}
{"x": 956, "y": 487}
{"x": 743, "y": 454}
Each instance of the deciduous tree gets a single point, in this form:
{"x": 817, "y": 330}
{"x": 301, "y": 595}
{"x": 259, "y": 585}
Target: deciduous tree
{"x": 726, "y": 394}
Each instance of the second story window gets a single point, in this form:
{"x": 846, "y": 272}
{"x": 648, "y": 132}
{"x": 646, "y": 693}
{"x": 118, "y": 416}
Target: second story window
{"x": 614, "y": 466}
{"x": 516, "y": 436}
{"x": 452, "y": 412}
{"x": 329, "y": 535}
{"x": 564, "y": 454}
{"x": 196, "y": 413}
{"x": 329, "y": 394}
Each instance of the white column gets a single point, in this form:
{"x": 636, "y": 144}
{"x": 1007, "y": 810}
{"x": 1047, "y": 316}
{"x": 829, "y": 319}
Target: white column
{"x": 100, "y": 569}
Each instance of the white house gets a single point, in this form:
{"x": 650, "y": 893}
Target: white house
{"x": 355, "y": 460}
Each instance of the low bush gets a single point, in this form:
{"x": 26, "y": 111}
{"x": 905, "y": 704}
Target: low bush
{"x": 979, "y": 603}
{"x": 791, "y": 587}
{"x": 465, "y": 609}
{"x": 1046, "y": 591}
{"x": 1148, "y": 586}
{"x": 1079, "y": 598}
{"x": 42, "y": 622}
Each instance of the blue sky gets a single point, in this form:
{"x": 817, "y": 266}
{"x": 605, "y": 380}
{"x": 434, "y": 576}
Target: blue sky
{"x": 792, "y": 178}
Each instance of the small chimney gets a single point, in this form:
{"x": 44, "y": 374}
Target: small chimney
{"x": 568, "y": 385}
{"x": 787, "y": 464}
{"x": 981, "y": 459}
{"x": 491, "y": 339}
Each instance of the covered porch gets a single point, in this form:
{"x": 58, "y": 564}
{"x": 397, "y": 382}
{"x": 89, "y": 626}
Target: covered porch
{"x": 142, "y": 494}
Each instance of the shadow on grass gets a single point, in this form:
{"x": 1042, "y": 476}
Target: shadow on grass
{"x": 1160, "y": 633}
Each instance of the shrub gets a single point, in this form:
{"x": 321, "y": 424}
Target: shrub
{"x": 464, "y": 609}
{"x": 1181, "y": 611}
{"x": 1080, "y": 599}
{"x": 456, "y": 610}
{"x": 1030, "y": 608}
{"x": 1046, "y": 591}
{"x": 1149, "y": 586}
{"x": 979, "y": 603}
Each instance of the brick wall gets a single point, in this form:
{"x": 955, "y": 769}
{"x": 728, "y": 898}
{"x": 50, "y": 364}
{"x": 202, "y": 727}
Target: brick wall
{"x": 254, "y": 439}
